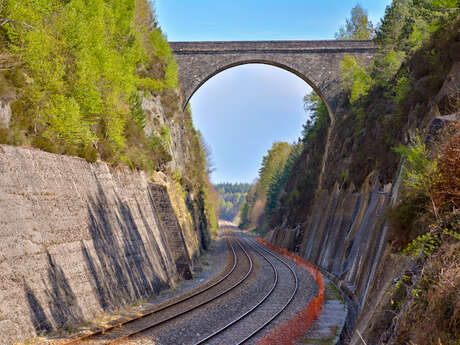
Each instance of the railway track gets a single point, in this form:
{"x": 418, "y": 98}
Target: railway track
{"x": 240, "y": 269}
{"x": 117, "y": 333}
{"x": 264, "y": 253}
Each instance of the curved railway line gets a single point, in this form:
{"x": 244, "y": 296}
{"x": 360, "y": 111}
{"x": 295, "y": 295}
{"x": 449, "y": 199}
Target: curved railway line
{"x": 264, "y": 298}
{"x": 241, "y": 268}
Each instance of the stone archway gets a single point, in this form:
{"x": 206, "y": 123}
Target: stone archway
{"x": 316, "y": 62}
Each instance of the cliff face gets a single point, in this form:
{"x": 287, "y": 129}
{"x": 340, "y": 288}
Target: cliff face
{"x": 79, "y": 238}
{"x": 157, "y": 118}
{"x": 344, "y": 229}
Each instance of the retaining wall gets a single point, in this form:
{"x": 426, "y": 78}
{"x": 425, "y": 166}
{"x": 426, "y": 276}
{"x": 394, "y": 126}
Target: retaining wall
{"x": 77, "y": 239}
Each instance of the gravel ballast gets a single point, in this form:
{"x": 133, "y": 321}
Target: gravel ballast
{"x": 199, "y": 323}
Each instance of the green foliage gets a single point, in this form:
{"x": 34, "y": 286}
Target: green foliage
{"x": 411, "y": 216}
{"x": 427, "y": 242}
{"x": 244, "y": 215}
{"x": 232, "y": 196}
{"x": 445, "y": 4}
{"x": 159, "y": 149}
{"x": 279, "y": 180}
{"x": 357, "y": 27}
{"x": 171, "y": 80}
{"x": 406, "y": 26}
{"x": 271, "y": 172}
{"x": 64, "y": 121}
{"x": 84, "y": 69}
{"x": 420, "y": 173}
{"x": 385, "y": 68}
{"x": 355, "y": 80}
{"x": 402, "y": 88}
{"x": 165, "y": 135}
{"x": 272, "y": 163}
{"x": 137, "y": 112}
{"x": 85, "y": 64}
{"x": 318, "y": 117}
{"x": 293, "y": 187}
{"x": 162, "y": 49}
{"x": 232, "y": 188}
{"x": 396, "y": 71}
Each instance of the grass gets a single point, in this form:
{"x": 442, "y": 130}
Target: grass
{"x": 332, "y": 293}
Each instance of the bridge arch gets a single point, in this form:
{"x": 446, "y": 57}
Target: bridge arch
{"x": 262, "y": 62}
{"x": 315, "y": 62}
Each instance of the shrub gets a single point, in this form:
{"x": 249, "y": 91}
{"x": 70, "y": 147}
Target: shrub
{"x": 165, "y": 135}
{"x": 402, "y": 88}
{"x": 355, "y": 80}
{"x": 418, "y": 208}
{"x": 420, "y": 173}
{"x": 85, "y": 63}
{"x": 137, "y": 113}
{"x": 385, "y": 67}
{"x": 161, "y": 155}
{"x": 408, "y": 220}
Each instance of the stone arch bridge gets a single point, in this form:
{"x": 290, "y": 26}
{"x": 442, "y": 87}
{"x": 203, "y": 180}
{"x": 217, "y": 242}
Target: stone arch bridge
{"x": 316, "y": 62}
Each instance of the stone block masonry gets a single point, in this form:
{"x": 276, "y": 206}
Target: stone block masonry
{"x": 78, "y": 239}
{"x": 316, "y": 62}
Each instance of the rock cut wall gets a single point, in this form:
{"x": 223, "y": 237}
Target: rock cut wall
{"x": 78, "y": 239}
{"x": 345, "y": 230}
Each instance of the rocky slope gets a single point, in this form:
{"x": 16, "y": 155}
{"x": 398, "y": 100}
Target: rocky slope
{"x": 342, "y": 226}
{"x": 83, "y": 236}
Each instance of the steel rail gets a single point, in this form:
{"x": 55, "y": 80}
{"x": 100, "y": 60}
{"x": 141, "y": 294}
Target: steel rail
{"x": 286, "y": 304}
{"x": 242, "y": 316}
{"x": 149, "y": 327}
{"x": 149, "y": 313}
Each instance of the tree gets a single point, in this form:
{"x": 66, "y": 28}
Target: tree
{"x": 232, "y": 196}
{"x": 318, "y": 117}
{"x": 280, "y": 179}
{"x": 358, "y": 27}
{"x": 355, "y": 79}
{"x": 244, "y": 217}
{"x": 272, "y": 162}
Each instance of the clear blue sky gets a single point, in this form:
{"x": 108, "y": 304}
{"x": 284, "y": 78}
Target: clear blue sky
{"x": 243, "y": 110}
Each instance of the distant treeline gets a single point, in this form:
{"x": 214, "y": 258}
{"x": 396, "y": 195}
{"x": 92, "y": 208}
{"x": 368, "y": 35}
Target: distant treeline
{"x": 264, "y": 195}
{"x": 232, "y": 196}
